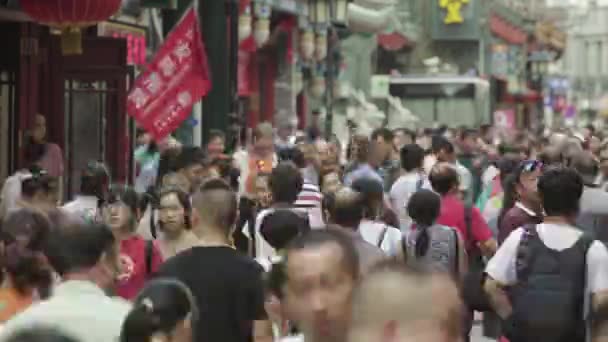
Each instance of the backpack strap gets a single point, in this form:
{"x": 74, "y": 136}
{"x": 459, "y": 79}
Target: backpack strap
{"x": 457, "y": 254}
{"x": 382, "y": 236}
{"x": 468, "y": 222}
{"x": 525, "y": 255}
{"x": 419, "y": 183}
{"x": 148, "y": 256}
{"x": 153, "y": 230}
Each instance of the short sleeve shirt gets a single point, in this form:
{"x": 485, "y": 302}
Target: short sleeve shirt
{"x": 502, "y": 267}
{"x": 453, "y": 215}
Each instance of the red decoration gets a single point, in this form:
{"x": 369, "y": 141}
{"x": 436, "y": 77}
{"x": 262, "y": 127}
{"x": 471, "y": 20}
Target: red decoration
{"x": 173, "y": 82}
{"x": 70, "y": 13}
{"x": 393, "y": 41}
{"x": 70, "y": 16}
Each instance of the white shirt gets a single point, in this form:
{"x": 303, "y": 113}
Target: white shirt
{"x": 263, "y": 249}
{"x": 371, "y": 232}
{"x": 466, "y": 179}
{"x": 84, "y": 207}
{"x": 78, "y": 308}
{"x": 297, "y": 338}
{"x": 557, "y": 237}
{"x": 11, "y": 192}
{"x": 400, "y": 195}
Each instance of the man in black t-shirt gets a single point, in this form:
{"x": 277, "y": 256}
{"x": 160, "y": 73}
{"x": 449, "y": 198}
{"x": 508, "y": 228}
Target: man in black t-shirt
{"x": 227, "y": 285}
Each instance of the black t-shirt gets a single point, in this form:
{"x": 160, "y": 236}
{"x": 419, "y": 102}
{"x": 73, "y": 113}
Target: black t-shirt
{"x": 229, "y": 291}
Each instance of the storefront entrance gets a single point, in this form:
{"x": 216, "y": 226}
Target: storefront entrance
{"x": 82, "y": 97}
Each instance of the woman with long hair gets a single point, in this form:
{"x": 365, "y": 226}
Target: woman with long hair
{"x": 139, "y": 258}
{"x": 164, "y": 310}
{"x": 27, "y": 275}
{"x": 175, "y": 222}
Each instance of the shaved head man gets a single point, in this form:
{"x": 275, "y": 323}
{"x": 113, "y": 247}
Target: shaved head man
{"x": 395, "y": 304}
{"x": 227, "y": 285}
{"x": 216, "y": 209}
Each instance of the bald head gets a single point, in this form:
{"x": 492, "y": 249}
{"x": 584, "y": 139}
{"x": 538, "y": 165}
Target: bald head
{"x": 347, "y": 208}
{"x": 444, "y": 178}
{"x": 215, "y": 203}
{"x": 395, "y": 303}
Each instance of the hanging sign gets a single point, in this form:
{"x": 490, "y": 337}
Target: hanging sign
{"x": 453, "y": 10}
{"x": 177, "y": 78}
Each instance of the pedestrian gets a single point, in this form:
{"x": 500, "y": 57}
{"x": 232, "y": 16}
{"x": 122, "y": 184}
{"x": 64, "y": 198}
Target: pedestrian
{"x": 260, "y": 158}
{"x": 46, "y": 155}
{"x": 175, "y": 222}
{"x": 551, "y": 269}
{"x": 412, "y": 180}
{"x": 593, "y": 215}
{"x": 39, "y": 191}
{"x": 227, "y": 285}
{"x": 317, "y": 278}
{"x": 345, "y": 209}
{"x": 139, "y": 258}
{"x": 360, "y": 157}
{"x": 27, "y": 274}
{"x": 521, "y": 204}
{"x": 86, "y": 256}
{"x": 398, "y": 304}
{"x": 94, "y": 184}
{"x": 193, "y": 164}
{"x": 377, "y": 226}
{"x": 385, "y": 156}
{"x": 286, "y": 183}
{"x": 429, "y": 245}
{"x": 164, "y": 310}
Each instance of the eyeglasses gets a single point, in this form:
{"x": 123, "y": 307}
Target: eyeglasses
{"x": 531, "y": 165}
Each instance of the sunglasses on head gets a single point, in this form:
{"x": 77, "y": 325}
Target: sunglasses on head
{"x": 532, "y": 165}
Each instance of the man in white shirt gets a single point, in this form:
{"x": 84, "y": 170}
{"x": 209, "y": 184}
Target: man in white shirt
{"x": 87, "y": 258}
{"x": 560, "y": 190}
{"x": 94, "y": 184}
{"x": 414, "y": 179}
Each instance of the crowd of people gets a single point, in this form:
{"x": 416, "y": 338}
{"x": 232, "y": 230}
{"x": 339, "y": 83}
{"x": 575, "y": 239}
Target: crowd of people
{"x": 394, "y": 236}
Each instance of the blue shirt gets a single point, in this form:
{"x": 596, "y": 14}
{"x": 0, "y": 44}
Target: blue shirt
{"x": 362, "y": 171}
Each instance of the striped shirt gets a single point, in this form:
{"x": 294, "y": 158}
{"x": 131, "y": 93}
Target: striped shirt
{"x": 310, "y": 199}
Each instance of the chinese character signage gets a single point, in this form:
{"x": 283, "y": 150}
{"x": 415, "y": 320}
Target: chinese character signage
{"x": 177, "y": 77}
{"x": 135, "y": 36}
{"x": 455, "y": 19}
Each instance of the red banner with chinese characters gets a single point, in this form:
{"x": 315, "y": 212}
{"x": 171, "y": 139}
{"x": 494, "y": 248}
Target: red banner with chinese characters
{"x": 178, "y": 76}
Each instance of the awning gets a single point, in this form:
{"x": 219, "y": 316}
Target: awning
{"x": 393, "y": 41}
{"x": 527, "y": 96}
{"x": 510, "y": 33}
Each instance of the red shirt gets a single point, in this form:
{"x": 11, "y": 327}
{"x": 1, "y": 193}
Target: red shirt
{"x": 452, "y": 215}
{"x": 133, "y": 262}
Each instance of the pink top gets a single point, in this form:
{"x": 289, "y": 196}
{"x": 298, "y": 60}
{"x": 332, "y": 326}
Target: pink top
{"x": 52, "y": 161}
{"x": 133, "y": 262}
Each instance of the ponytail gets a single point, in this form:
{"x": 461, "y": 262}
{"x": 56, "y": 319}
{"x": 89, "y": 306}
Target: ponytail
{"x": 140, "y": 324}
{"x": 423, "y": 241}
{"x": 159, "y": 308}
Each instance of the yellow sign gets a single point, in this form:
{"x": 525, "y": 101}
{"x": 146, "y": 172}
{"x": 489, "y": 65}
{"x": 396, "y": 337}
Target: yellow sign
{"x": 453, "y": 8}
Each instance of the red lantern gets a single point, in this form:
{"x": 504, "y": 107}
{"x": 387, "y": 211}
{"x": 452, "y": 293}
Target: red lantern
{"x": 70, "y": 16}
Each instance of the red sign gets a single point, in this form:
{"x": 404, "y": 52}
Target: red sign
{"x": 173, "y": 82}
{"x": 505, "y": 30}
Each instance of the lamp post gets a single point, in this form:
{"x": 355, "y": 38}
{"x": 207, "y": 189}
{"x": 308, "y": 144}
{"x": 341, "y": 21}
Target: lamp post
{"x": 337, "y": 18}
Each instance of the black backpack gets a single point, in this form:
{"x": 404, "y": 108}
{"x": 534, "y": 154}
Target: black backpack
{"x": 548, "y": 299}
